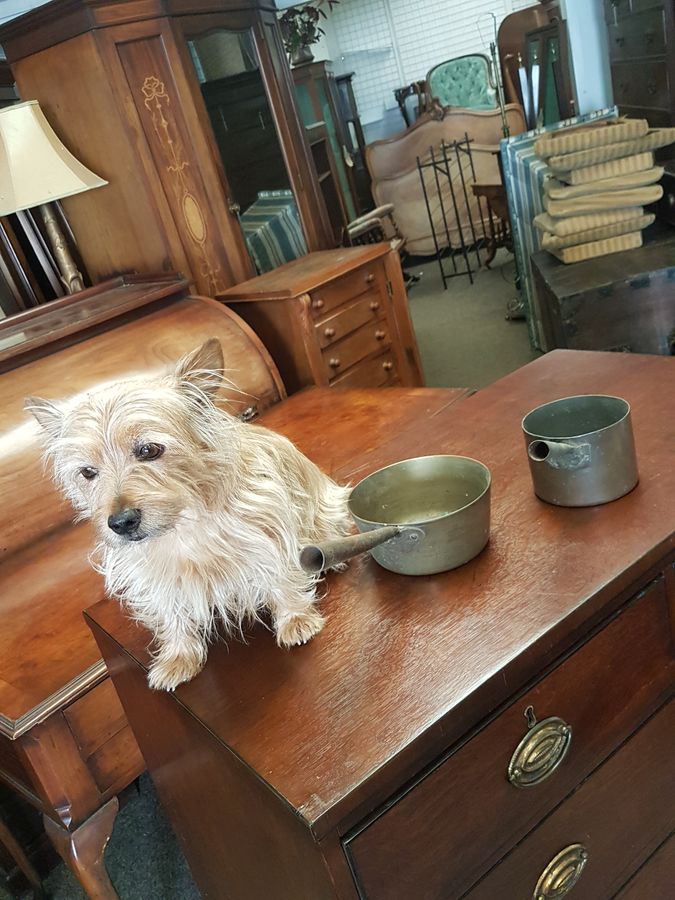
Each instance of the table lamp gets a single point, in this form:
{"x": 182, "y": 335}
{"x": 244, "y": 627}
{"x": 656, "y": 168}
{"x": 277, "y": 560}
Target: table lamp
{"x": 35, "y": 169}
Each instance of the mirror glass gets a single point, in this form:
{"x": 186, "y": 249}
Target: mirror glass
{"x": 228, "y": 71}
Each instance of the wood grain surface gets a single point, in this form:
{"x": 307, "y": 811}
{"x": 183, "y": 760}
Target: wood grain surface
{"x": 303, "y": 275}
{"x": 404, "y": 666}
{"x": 619, "y": 815}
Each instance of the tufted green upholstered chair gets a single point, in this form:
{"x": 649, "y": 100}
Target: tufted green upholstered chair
{"x": 465, "y": 81}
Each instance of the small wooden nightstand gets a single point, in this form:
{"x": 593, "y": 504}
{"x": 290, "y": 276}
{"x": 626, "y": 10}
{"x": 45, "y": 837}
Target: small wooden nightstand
{"x": 337, "y": 318}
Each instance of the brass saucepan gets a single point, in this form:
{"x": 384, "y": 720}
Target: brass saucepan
{"x": 417, "y": 517}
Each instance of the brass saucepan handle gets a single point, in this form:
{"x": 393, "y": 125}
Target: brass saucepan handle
{"x": 319, "y": 557}
{"x": 562, "y": 873}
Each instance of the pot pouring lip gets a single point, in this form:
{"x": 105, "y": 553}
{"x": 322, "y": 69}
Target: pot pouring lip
{"x": 584, "y": 434}
{"x": 422, "y": 522}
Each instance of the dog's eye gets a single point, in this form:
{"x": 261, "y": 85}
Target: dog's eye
{"x": 88, "y": 472}
{"x": 149, "y": 451}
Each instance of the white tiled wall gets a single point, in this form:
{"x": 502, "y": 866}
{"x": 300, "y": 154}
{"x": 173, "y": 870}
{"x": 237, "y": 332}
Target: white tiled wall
{"x": 390, "y": 43}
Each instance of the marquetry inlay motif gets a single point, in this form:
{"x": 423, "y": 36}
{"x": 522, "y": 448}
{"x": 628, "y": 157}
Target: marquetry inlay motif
{"x": 158, "y": 104}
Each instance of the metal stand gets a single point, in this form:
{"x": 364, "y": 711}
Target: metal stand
{"x": 453, "y": 177}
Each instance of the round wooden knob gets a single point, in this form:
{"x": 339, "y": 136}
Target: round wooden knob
{"x": 374, "y": 305}
{"x": 334, "y": 363}
{"x": 370, "y": 278}
{"x": 317, "y": 304}
{"x": 380, "y": 335}
{"x": 388, "y": 365}
{"x": 329, "y": 332}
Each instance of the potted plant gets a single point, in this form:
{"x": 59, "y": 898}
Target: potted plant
{"x": 300, "y": 29}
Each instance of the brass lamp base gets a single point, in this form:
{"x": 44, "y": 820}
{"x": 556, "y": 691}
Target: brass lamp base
{"x": 70, "y": 275}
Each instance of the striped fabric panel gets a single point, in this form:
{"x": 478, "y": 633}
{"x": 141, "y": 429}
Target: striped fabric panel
{"x": 524, "y": 175}
{"x": 658, "y": 137}
{"x": 553, "y": 242}
{"x": 609, "y": 169}
{"x": 272, "y": 229}
{"x": 599, "y": 248}
{"x": 556, "y": 190}
{"x": 575, "y": 224}
{"x": 579, "y": 206}
{"x": 590, "y": 136}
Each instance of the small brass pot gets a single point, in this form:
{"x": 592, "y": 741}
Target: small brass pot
{"x": 581, "y": 450}
{"x": 417, "y": 517}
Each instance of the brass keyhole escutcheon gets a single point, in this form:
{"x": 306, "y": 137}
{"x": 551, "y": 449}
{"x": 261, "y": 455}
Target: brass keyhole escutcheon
{"x": 540, "y": 752}
{"x": 562, "y": 873}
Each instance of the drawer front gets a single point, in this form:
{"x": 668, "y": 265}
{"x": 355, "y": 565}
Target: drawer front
{"x": 619, "y": 9}
{"x": 367, "y": 279}
{"x": 379, "y": 371}
{"x": 366, "y": 310}
{"x": 603, "y": 691}
{"x": 605, "y": 831}
{"x": 11, "y": 765}
{"x": 355, "y": 347}
{"x": 95, "y": 718}
{"x": 655, "y": 878}
{"x": 642, "y": 35}
{"x": 116, "y": 763}
{"x": 643, "y": 84}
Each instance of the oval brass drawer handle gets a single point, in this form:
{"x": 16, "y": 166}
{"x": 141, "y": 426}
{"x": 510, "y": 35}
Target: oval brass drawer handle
{"x": 540, "y": 752}
{"x": 562, "y": 873}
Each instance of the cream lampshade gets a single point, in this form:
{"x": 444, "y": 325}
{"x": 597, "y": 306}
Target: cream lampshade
{"x": 36, "y": 168}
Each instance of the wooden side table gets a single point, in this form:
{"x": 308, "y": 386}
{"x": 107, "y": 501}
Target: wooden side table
{"x": 336, "y": 318}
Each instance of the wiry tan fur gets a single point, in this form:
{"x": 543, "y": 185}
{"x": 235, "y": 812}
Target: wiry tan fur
{"x": 224, "y": 510}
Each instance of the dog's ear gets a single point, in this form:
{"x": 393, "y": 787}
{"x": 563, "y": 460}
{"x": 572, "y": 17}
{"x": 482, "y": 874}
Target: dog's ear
{"x": 203, "y": 368}
{"x": 48, "y": 414}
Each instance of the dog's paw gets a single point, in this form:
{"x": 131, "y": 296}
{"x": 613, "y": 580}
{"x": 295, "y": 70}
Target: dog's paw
{"x": 165, "y": 674}
{"x": 299, "y": 628}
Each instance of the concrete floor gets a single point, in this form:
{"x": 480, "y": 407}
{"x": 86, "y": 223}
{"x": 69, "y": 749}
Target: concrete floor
{"x": 464, "y": 337}
{"x": 465, "y": 341}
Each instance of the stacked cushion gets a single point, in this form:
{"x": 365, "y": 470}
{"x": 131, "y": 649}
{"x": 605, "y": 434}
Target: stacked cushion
{"x": 602, "y": 177}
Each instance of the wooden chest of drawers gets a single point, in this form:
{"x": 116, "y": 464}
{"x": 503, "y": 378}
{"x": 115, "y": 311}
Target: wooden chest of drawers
{"x": 640, "y": 35}
{"x": 335, "y": 318}
{"x": 500, "y": 732}
{"x": 623, "y": 301}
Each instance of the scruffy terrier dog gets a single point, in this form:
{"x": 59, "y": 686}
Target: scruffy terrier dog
{"x": 200, "y": 516}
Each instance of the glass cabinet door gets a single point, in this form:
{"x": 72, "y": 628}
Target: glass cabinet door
{"x": 227, "y": 68}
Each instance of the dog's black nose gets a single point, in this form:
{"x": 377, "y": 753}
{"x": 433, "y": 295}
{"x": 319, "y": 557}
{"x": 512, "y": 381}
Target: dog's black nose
{"x": 126, "y": 521}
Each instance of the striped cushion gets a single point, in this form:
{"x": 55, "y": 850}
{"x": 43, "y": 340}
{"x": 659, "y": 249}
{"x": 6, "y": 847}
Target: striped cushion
{"x": 657, "y": 137}
{"x": 574, "y": 139}
{"x": 623, "y": 166}
{"x": 562, "y": 227}
{"x": 556, "y": 190}
{"x": 579, "y": 206}
{"x": 599, "y": 248}
{"x": 553, "y": 242}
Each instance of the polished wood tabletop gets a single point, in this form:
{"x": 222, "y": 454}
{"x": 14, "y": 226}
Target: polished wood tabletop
{"x": 405, "y": 665}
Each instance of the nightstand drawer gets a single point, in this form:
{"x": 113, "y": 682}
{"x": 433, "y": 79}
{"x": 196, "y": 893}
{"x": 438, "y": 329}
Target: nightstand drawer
{"x": 604, "y": 832}
{"x": 422, "y": 839}
{"x": 355, "y": 347}
{"x": 367, "y": 278}
{"x": 378, "y": 371}
{"x": 365, "y": 310}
